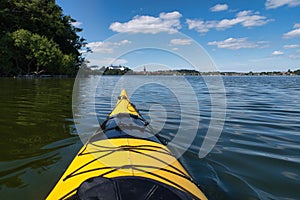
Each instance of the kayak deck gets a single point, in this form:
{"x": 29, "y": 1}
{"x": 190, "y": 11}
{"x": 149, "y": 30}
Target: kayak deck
{"x": 125, "y": 160}
{"x": 124, "y": 106}
{"x": 124, "y": 157}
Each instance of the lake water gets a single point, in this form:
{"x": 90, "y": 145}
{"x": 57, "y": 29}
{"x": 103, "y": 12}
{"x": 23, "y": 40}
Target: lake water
{"x": 257, "y": 155}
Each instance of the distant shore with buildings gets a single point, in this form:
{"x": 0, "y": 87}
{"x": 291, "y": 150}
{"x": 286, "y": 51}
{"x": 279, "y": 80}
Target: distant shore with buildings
{"x": 121, "y": 70}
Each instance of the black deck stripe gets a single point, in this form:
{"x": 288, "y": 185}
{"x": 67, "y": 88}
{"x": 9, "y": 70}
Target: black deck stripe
{"x": 86, "y": 164}
{"x": 158, "y": 159}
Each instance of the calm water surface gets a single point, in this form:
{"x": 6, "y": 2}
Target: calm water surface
{"x": 256, "y": 157}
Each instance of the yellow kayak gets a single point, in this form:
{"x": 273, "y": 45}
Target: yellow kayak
{"x": 125, "y": 160}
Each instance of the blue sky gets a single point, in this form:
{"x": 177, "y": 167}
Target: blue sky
{"x": 248, "y": 35}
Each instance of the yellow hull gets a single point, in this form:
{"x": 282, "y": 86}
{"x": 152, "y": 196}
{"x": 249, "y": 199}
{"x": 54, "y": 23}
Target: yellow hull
{"x": 124, "y": 105}
{"x": 133, "y": 157}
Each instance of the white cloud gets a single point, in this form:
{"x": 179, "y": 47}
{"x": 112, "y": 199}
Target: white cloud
{"x": 219, "y": 7}
{"x": 297, "y": 25}
{"x": 102, "y": 47}
{"x": 245, "y": 18}
{"x": 166, "y": 22}
{"x": 124, "y": 42}
{"x": 249, "y": 18}
{"x": 292, "y": 34}
{"x": 181, "y": 41}
{"x": 291, "y": 46}
{"x": 271, "y": 4}
{"x": 106, "y": 47}
{"x": 237, "y": 43}
{"x": 277, "y": 53}
{"x": 76, "y": 24}
{"x": 200, "y": 25}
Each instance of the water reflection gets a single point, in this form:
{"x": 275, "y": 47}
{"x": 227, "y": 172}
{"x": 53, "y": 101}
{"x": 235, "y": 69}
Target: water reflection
{"x": 33, "y": 114}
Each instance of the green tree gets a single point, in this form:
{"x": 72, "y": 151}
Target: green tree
{"x": 40, "y": 52}
{"x": 47, "y": 29}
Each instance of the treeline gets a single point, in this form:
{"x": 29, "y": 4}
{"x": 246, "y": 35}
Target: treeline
{"x": 297, "y": 72}
{"x": 117, "y": 71}
{"x": 36, "y": 37}
{"x": 105, "y": 70}
{"x": 273, "y": 73}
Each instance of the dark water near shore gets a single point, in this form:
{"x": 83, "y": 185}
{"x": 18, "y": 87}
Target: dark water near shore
{"x": 257, "y": 156}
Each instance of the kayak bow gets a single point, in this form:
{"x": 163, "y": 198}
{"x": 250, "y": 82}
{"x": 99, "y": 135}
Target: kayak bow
{"x": 125, "y": 160}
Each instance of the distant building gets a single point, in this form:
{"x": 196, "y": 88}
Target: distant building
{"x": 122, "y": 68}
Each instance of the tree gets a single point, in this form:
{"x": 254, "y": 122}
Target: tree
{"x": 42, "y": 26}
{"x": 297, "y": 72}
{"x": 40, "y": 52}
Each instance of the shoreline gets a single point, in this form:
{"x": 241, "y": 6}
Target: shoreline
{"x": 169, "y": 75}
